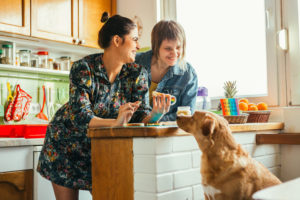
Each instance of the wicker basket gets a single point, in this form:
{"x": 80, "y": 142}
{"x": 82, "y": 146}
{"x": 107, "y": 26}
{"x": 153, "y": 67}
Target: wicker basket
{"x": 261, "y": 116}
{"x": 236, "y": 119}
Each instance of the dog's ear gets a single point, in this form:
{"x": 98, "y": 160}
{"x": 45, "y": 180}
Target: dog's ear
{"x": 208, "y": 126}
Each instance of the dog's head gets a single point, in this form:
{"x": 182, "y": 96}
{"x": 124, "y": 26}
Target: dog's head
{"x": 205, "y": 126}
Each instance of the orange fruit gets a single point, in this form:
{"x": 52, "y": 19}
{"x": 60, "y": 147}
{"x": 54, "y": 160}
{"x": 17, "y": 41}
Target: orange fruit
{"x": 262, "y": 106}
{"x": 250, "y": 104}
{"x": 244, "y": 100}
{"x": 243, "y": 106}
{"x": 253, "y": 107}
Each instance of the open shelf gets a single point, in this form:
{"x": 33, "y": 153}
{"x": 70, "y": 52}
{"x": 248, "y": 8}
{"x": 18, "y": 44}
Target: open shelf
{"x": 12, "y": 68}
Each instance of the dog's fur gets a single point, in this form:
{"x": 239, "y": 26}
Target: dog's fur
{"x": 228, "y": 172}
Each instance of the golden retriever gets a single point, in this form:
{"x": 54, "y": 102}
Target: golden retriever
{"x": 227, "y": 170}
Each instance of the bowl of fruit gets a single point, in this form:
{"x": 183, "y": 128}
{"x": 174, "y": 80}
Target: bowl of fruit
{"x": 258, "y": 113}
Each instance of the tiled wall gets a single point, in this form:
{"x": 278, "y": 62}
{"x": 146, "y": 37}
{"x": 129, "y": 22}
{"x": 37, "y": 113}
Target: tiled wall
{"x": 169, "y": 168}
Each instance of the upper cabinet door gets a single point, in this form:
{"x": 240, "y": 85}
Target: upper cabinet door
{"x": 15, "y": 16}
{"x": 90, "y": 12}
{"x": 54, "y": 19}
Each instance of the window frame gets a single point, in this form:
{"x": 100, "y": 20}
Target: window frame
{"x": 276, "y": 69}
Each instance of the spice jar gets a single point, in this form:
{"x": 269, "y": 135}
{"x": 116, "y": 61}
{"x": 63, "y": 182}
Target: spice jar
{"x": 43, "y": 59}
{"x": 56, "y": 65}
{"x": 183, "y": 111}
{"x": 25, "y": 57}
{"x": 65, "y": 63}
{"x": 34, "y": 60}
{"x": 7, "y": 57}
{"x": 50, "y": 63}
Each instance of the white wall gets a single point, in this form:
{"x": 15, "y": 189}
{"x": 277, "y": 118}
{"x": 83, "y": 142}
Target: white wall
{"x": 145, "y": 10}
{"x": 290, "y": 159}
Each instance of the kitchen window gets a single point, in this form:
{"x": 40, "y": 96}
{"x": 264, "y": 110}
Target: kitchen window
{"x": 235, "y": 40}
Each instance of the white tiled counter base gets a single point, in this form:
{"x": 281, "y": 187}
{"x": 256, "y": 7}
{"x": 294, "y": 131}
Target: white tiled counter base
{"x": 169, "y": 168}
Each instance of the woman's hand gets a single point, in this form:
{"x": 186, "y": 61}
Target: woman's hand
{"x": 161, "y": 105}
{"x": 125, "y": 112}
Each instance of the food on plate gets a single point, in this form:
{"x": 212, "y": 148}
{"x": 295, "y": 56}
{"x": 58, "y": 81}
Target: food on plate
{"x": 153, "y": 124}
{"x": 134, "y": 124}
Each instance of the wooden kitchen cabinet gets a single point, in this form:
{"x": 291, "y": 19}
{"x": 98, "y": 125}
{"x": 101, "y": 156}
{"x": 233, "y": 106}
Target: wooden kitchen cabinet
{"x": 16, "y": 185}
{"x": 15, "y": 16}
{"x": 71, "y": 21}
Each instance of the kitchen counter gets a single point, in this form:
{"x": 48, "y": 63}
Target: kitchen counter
{"x": 13, "y": 142}
{"x": 143, "y": 162}
{"x": 171, "y": 129}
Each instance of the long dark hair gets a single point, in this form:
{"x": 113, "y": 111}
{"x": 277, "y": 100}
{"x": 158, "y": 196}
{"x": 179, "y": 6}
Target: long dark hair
{"x": 115, "y": 25}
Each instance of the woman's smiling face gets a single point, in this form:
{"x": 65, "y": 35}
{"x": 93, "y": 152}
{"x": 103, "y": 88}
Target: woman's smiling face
{"x": 170, "y": 51}
{"x": 130, "y": 46}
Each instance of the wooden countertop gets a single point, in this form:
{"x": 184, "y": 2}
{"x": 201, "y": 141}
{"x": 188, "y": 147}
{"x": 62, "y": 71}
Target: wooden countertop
{"x": 170, "y": 129}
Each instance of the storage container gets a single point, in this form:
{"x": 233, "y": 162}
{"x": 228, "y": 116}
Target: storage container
{"x": 43, "y": 59}
{"x": 24, "y": 55}
{"x": 34, "y": 60}
{"x": 65, "y": 62}
{"x": 7, "y": 54}
{"x": 183, "y": 110}
{"x": 35, "y": 131}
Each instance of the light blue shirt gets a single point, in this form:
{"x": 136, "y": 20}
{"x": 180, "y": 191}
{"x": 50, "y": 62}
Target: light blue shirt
{"x": 181, "y": 83}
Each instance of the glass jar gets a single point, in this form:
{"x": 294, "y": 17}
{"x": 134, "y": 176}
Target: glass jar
{"x": 43, "y": 59}
{"x": 50, "y": 63}
{"x": 34, "y": 60}
{"x": 56, "y": 65}
{"x": 25, "y": 57}
{"x": 183, "y": 111}
{"x": 7, "y": 57}
{"x": 65, "y": 62}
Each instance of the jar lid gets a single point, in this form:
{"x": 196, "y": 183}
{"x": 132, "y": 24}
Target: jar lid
{"x": 65, "y": 57}
{"x": 25, "y": 51}
{"x": 7, "y": 46}
{"x": 42, "y": 53}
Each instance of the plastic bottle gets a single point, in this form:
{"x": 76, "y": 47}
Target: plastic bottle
{"x": 202, "y": 101}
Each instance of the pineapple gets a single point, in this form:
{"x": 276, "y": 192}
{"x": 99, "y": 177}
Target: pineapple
{"x": 230, "y": 91}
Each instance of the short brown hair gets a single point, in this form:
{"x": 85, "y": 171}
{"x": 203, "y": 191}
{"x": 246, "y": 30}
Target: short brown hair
{"x": 170, "y": 30}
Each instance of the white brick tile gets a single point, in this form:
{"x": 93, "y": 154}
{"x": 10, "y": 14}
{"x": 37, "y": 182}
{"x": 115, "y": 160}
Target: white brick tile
{"x": 181, "y": 194}
{"x": 186, "y": 143}
{"x": 187, "y": 178}
{"x": 269, "y": 161}
{"x": 152, "y": 146}
{"x": 245, "y": 138}
{"x": 144, "y": 196}
{"x": 164, "y": 182}
{"x": 196, "y": 158}
{"x": 198, "y": 193}
{"x": 153, "y": 183}
{"x": 173, "y": 162}
{"x": 260, "y": 150}
{"x": 145, "y": 182}
{"x": 144, "y": 164}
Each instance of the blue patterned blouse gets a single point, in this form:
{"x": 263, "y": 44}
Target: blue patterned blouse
{"x": 65, "y": 158}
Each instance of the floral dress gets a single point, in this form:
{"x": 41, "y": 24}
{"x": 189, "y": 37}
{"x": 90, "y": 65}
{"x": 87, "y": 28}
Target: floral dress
{"x": 65, "y": 158}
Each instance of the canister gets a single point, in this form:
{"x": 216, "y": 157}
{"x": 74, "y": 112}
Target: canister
{"x": 25, "y": 57}
{"x": 43, "y": 59}
{"x": 7, "y": 57}
{"x": 65, "y": 63}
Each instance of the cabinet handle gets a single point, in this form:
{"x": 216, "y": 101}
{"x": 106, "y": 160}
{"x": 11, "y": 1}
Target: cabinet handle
{"x": 81, "y": 42}
{"x": 75, "y": 40}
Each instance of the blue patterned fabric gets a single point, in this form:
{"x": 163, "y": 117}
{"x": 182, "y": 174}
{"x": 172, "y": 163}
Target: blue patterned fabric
{"x": 182, "y": 84}
{"x": 65, "y": 158}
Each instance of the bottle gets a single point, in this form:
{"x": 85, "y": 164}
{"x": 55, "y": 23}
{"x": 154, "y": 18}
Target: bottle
{"x": 202, "y": 100}
{"x": 183, "y": 111}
